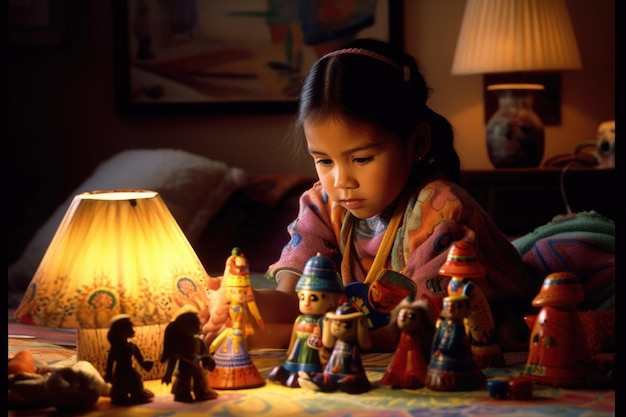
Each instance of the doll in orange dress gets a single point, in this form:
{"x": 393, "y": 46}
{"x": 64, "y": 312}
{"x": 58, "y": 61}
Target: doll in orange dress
{"x": 233, "y": 366}
{"x": 409, "y": 364}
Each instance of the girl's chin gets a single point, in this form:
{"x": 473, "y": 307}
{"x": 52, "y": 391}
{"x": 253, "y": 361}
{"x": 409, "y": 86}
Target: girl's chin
{"x": 362, "y": 214}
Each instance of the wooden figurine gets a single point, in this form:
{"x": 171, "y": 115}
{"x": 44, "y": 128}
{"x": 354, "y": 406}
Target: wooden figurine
{"x": 318, "y": 292}
{"x": 346, "y": 332}
{"x": 559, "y": 353}
{"x": 409, "y": 364}
{"x": 187, "y": 353}
{"x": 126, "y": 382}
{"x": 233, "y": 366}
{"x": 464, "y": 270}
{"x": 452, "y": 366}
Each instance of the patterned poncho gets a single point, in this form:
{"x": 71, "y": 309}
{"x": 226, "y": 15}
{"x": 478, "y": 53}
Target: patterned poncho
{"x": 437, "y": 214}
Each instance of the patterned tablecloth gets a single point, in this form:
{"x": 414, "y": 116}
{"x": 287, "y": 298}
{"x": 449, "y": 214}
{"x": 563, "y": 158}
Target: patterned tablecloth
{"x": 276, "y": 400}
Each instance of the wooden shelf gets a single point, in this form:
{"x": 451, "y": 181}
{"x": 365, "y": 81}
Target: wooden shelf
{"x": 521, "y": 199}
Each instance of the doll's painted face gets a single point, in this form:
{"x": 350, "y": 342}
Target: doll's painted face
{"x": 345, "y": 330}
{"x": 314, "y": 302}
{"x": 408, "y": 320}
{"x": 455, "y": 309}
{"x": 237, "y": 295}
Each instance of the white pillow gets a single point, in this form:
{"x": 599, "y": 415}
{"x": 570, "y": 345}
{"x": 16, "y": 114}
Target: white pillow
{"x": 192, "y": 186}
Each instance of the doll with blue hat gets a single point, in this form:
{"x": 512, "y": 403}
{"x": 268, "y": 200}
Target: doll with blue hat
{"x": 318, "y": 291}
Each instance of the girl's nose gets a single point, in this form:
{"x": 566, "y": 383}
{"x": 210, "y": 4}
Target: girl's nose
{"x": 344, "y": 179}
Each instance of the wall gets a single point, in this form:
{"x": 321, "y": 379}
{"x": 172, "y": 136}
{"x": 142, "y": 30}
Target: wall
{"x": 587, "y": 95}
{"x": 62, "y": 121}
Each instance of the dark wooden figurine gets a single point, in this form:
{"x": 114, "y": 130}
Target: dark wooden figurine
{"x": 126, "y": 382}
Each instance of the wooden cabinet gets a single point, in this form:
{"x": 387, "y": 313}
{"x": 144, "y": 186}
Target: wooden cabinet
{"x": 521, "y": 199}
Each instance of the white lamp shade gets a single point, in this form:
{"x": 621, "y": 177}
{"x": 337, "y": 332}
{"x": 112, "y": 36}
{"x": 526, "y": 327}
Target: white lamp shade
{"x": 515, "y": 36}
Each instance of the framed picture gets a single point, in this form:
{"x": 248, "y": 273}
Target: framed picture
{"x": 236, "y": 56}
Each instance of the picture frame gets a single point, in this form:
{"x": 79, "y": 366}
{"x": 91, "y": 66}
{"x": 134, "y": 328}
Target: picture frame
{"x": 232, "y": 57}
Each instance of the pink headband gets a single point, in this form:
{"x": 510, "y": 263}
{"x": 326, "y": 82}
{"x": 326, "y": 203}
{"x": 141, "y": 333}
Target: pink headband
{"x": 364, "y": 52}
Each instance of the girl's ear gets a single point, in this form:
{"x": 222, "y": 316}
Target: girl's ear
{"x": 421, "y": 140}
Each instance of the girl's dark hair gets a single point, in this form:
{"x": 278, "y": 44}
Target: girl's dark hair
{"x": 372, "y": 82}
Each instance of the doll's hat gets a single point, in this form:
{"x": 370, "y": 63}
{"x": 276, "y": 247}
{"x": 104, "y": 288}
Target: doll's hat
{"x": 237, "y": 271}
{"x": 559, "y": 289}
{"x": 344, "y": 312}
{"x": 319, "y": 274}
{"x": 462, "y": 262}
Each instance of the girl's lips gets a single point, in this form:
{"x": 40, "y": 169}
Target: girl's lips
{"x": 352, "y": 204}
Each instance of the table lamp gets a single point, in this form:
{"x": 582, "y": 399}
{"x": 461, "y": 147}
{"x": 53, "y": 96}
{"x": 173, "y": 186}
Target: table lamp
{"x": 515, "y": 36}
{"x": 115, "y": 252}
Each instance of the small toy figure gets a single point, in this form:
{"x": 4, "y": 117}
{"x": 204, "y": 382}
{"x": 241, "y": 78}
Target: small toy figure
{"x": 185, "y": 351}
{"x": 346, "y": 332}
{"x": 452, "y": 366}
{"x": 127, "y": 384}
{"x": 318, "y": 292}
{"x": 233, "y": 367}
{"x": 378, "y": 299}
{"x": 463, "y": 268}
{"x": 559, "y": 354}
{"x": 409, "y": 364}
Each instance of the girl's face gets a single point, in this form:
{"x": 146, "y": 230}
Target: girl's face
{"x": 360, "y": 168}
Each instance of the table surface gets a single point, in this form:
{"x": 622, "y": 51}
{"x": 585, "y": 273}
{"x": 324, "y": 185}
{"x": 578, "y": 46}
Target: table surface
{"x": 276, "y": 400}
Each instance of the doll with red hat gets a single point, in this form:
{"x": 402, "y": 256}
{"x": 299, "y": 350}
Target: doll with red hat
{"x": 558, "y": 354}
{"x": 452, "y": 366}
{"x": 465, "y": 272}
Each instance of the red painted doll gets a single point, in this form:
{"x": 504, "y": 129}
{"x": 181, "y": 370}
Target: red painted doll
{"x": 409, "y": 364}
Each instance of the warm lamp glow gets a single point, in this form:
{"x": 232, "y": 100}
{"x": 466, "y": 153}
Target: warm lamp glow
{"x": 515, "y": 36}
{"x": 115, "y": 252}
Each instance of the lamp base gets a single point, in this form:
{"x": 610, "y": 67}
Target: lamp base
{"x": 515, "y": 136}
{"x": 93, "y": 346}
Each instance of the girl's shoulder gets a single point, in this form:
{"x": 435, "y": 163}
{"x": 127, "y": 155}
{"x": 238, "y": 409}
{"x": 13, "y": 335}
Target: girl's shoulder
{"x": 442, "y": 188}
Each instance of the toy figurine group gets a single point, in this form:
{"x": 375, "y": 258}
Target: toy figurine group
{"x": 324, "y": 354}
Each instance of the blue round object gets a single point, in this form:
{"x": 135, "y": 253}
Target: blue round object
{"x": 498, "y": 388}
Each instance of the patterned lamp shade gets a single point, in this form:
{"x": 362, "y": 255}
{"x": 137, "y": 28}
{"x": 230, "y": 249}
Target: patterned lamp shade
{"x": 115, "y": 252}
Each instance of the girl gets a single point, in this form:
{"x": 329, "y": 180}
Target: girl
{"x": 388, "y": 194}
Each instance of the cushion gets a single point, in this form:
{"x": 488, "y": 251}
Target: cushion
{"x": 192, "y": 186}
{"x": 582, "y": 243}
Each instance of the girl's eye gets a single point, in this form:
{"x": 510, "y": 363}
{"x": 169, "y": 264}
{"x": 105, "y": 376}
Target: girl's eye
{"x": 324, "y": 162}
{"x": 362, "y": 161}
